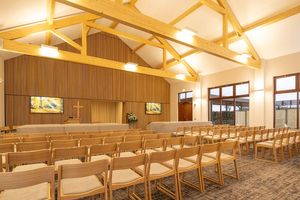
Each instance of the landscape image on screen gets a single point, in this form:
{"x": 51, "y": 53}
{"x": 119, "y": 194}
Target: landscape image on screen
{"x": 46, "y": 105}
{"x": 153, "y": 108}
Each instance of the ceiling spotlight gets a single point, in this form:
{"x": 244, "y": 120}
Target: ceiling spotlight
{"x": 132, "y": 67}
{"x": 49, "y": 51}
{"x": 185, "y": 35}
{"x": 243, "y": 58}
{"x": 180, "y": 76}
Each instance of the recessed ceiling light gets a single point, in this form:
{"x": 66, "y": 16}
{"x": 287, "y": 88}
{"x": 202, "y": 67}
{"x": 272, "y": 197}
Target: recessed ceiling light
{"x": 49, "y": 51}
{"x": 130, "y": 66}
{"x": 188, "y": 31}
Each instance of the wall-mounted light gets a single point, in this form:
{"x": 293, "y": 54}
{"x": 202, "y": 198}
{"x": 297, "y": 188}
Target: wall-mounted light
{"x": 1, "y": 80}
{"x": 243, "y": 58}
{"x": 1, "y": 43}
{"x": 180, "y": 76}
{"x": 49, "y": 51}
{"x": 132, "y": 67}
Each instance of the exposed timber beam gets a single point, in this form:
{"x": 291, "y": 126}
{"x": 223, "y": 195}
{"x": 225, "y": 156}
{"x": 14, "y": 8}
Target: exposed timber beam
{"x": 50, "y": 17}
{"x": 214, "y": 6}
{"x": 175, "y": 21}
{"x": 127, "y": 16}
{"x": 123, "y": 34}
{"x": 24, "y": 31}
{"x": 232, "y": 36}
{"x": 66, "y": 39}
{"x": 238, "y": 28}
{"x": 34, "y": 50}
{"x": 225, "y": 31}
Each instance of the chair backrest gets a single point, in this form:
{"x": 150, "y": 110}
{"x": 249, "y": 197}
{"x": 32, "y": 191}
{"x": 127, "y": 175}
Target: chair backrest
{"x": 100, "y": 149}
{"x": 188, "y": 152}
{"x": 130, "y": 146}
{"x": 111, "y": 139}
{"x": 99, "y": 134}
{"x": 174, "y": 141}
{"x": 35, "y": 139}
{"x": 11, "y": 135}
{"x": 228, "y": 146}
{"x": 128, "y": 138}
{"x": 31, "y": 146}
{"x": 151, "y": 144}
{"x": 210, "y": 148}
{"x": 1, "y": 167}
{"x": 59, "y": 137}
{"x": 150, "y": 136}
{"x": 75, "y": 133}
{"x": 90, "y": 141}
{"x": 164, "y": 135}
{"x": 9, "y": 140}
{"x": 28, "y": 157}
{"x": 147, "y": 132}
{"x": 70, "y": 153}
{"x": 5, "y": 148}
{"x": 162, "y": 156}
{"x": 190, "y": 140}
{"x": 99, "y": 167}
{"x": 16, "y": 180}
{"x": 80, "y": 136}
{"x": 117, "y": 134}
{"x": 64, "y": 143}
{"x": 119, "y": 163}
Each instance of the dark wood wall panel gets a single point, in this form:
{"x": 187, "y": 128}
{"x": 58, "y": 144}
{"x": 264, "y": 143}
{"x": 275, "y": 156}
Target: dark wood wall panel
{"x": 27, "y": 76}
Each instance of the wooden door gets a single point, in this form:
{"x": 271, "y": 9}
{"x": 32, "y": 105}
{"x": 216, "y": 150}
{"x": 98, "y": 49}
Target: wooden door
{"x": 185, "y": 111}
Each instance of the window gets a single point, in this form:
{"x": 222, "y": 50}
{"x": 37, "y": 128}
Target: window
{"x": 185, "y": 96}
{"x": 286, "y": 101}
{"x": 231, "y": 105}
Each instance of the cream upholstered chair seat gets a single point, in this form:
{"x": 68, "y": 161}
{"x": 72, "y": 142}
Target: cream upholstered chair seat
{"x": 63, "y": 162}
{"x": 100, "y": 157}
{"x": 148, "y": 151}
{"x": 182, "y": 164}
{"x": 22, "y": 168}
{"x": 35, "y": 192}
{"x": 268, "y": 144}
{"x": 192, "y": 158}
{"x": 124, "y": 176}
{"x": 213, "y": 155}
{"x": 206, "y": 160}
{"x": 127, "y": 154}
{"x": 158, "y": 169}
{"x": 80, "y": 185}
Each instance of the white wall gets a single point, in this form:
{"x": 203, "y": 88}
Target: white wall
{"x": 2, "y": 112}
{"x": 261, "y": 88}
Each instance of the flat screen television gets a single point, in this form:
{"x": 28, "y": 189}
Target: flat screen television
{"x": 46, "y": 105}
{"x": 153, "y": 108}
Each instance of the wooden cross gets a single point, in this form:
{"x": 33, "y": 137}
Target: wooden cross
{"x": 77, "y": 107}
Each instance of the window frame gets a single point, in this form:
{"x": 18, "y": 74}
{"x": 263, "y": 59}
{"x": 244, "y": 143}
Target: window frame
{"x": 296, "y": 90}
{"x": 185, "y": 98}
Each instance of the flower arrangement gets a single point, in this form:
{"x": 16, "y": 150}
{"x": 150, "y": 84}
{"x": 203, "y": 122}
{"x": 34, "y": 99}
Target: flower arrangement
{"x": 131, "y": 117}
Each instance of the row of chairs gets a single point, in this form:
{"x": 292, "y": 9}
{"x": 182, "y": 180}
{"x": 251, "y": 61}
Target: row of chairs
{"x": 284, "y": 141}
{"x": 79, "y": 180}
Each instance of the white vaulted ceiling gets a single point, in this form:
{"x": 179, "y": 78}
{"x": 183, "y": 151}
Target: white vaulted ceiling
{"x": 277, "y": 39}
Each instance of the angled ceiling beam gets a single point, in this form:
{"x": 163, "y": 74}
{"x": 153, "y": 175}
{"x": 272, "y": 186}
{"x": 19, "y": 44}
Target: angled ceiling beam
{"x": 127, "y": 16}
{"x": 24, "y": 31}
{"x": 260, "y": 23}
{"x": 115, "y": 24}
{"x": 122, "y": 34}
{"x": 238, "y": 28}
{"x": 50, "y": 17}
{"x": 34, "y": 50}
{"x": 66, "y": 39}
{"x": 175, "y": 21}
{"x": 214, "y": 6}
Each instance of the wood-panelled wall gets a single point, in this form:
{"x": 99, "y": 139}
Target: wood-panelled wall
{"x": 27, "y": 76}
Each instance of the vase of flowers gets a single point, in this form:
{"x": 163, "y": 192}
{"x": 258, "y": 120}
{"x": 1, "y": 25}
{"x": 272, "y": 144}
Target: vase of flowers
{"x": 131, "y": 119}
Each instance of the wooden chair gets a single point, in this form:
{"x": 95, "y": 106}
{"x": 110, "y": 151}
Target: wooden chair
{"x": 90, "y": 141}
{"x": 73, "y": 155}
{"x": 180, "y": 131}
{"x": 217, "y": 136}
{"x": 80, "y": 136}
{"x": 126, "y": 172}
{"x": 28, "y": 160}
{"x": 149, "y": 136}
{"x": 28, "y": 185}
{"x": 4, "y": 149}
{"x": 10, "y": 140}
{"x": 297, "y": 141}
{"x": 228, "y": 151}
{"x": 63, "y": 143}
{"x": 154, "y": 145}
{"x": 113, "y": 139}
{"x": 157, "y": 170}
{"x": 292, "y": 143}
{"x": 117, "y": 134}
{"x": 173, "y": 143}
{"x": 189, "y": 141}
{"x": 1, "y": 165}
{"x": 76, "y": 133}
{"x": 274, "y": 145}
{"x": 103, "y": 151}
{"x": 100, "y": 134}
{"x": 35, "y": 139}
{"x": 164, "y": 135}
{"x": 129, "y": 138}
{"x": 189, "y": 160}
{"x": 82, "y": 180}
{"x": 144, "y": 132}
{"x": 242, "y": 141}
{"x": 31, "y": 146}
{"x": 127, "y": 149}
{"x": 59, "y": 137}
{"x": 210, "y": 156}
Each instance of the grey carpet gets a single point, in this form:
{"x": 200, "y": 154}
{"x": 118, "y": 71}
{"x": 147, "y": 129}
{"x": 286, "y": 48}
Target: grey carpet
{"x": 258, "y": 180}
